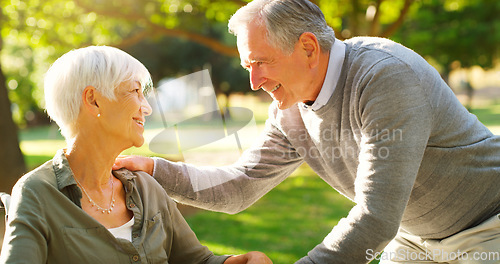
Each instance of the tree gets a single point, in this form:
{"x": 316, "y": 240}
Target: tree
{"x": 32, "y": 33}
{"x": 11, "y": 158}
{"x": 183, "y": 57}
{"x": 379, "y": 18}
{"x": 190, "y": 18}
{"x": 448, "y": 32}
{"x": 204, "y": 22}
{"x": 40, "y": 31}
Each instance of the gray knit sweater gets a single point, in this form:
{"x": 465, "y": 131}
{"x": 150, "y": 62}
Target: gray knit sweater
{"x": 393, "y": 138}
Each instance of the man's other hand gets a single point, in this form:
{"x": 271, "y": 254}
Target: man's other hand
{"x": 253, "y": 257}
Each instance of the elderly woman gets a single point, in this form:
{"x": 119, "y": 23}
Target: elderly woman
{"x": 74, "y": 208}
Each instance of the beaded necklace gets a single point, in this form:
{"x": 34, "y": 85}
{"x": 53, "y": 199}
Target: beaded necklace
{"x": 98, "y": 208}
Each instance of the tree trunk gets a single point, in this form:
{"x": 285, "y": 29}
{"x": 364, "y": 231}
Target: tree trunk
{"x": 11, "y": 157}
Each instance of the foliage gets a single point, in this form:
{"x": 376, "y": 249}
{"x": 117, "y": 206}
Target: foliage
{"x": 351, "y": 18}
{"x": 168, "y": 57}
{"x": 36, "y": 32}
{"x": 178, "y": 36}
{"x": 453, "y": 30}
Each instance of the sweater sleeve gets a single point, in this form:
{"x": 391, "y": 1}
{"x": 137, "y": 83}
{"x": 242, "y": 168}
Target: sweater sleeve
{"x": 394, "y": 115}
{"x": 231, "y": 189}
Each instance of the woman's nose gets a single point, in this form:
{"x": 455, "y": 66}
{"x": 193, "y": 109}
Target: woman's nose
{"x": 145, "y": 107}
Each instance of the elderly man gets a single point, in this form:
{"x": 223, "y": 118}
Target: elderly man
{"x": 376, "y": 122}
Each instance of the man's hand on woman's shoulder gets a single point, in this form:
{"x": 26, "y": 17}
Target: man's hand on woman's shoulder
{"x": 134, "y": 163}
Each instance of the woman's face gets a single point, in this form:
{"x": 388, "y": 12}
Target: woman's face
{"x": 123, "y": 118}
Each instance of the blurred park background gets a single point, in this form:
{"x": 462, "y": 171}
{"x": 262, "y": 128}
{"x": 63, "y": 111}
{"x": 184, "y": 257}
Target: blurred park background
{"x": 460, "y": 38}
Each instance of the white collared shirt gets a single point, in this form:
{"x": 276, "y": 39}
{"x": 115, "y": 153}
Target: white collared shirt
{"x": 337, "y": 56}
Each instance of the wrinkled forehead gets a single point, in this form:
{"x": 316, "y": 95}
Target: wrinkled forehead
{"x": 251, "y": 41}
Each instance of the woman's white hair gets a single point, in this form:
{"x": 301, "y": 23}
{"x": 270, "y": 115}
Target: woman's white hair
{"x": 285, "y": 21}
{"x": 102, "y": 67}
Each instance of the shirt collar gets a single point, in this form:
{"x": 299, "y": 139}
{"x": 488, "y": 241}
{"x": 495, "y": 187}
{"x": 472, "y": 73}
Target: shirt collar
{"x": 337, "y": 55}
{"x": 126, "y": 177}
{"x": 64, "y": 175}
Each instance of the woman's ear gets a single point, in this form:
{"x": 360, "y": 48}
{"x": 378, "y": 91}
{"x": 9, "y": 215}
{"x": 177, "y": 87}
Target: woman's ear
{"x": 311, "y": 47}
{"x": 89, "y": 97}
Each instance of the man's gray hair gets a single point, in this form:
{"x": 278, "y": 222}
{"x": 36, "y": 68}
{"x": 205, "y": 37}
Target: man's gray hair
{"x": 99, "y": 66}
{"x": 285, "y": 21}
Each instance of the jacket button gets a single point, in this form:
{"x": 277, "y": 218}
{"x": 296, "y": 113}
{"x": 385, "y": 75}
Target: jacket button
{"x": 135, "y": 258}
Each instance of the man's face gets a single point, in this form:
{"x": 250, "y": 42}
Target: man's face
{"x": 286, "y": 77}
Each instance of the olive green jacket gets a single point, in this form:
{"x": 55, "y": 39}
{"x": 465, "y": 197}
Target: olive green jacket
{"x": 47, "y": 225}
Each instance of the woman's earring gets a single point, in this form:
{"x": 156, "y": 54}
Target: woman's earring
{"x": 98, "y": 115}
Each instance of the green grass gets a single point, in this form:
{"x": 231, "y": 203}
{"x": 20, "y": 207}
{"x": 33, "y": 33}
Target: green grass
{"x": 285, "y": 224}
{"x": 489, "y": 115}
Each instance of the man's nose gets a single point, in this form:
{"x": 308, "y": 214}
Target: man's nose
{"x": 256, "y": 78}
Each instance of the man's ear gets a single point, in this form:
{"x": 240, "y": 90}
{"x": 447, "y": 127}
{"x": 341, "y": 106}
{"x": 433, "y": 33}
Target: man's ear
{"x": 309, "y": 43}
{"x": 89, "y": 98}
